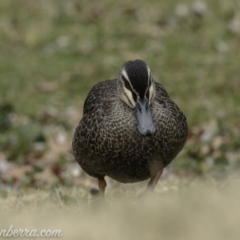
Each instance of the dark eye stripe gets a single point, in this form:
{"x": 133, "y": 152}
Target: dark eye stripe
{"x": 127, "y": 85}
{"x": 147, "y": 94}
{"x": 128, "y": 99}
{"x": 150, "y": 83}
{"x": 134, "y": 96}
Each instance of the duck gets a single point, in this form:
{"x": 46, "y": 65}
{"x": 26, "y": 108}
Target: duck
{"x": 130, "y": 129}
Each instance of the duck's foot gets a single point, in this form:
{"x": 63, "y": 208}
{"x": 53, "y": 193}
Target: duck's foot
{"x": 102, "y": 185}
{"x": 101, "y": 188}
{"x": 152, "y": 183}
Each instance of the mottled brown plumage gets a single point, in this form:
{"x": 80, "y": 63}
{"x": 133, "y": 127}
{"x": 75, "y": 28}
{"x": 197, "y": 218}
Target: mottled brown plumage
{"x": 107, "y": 141}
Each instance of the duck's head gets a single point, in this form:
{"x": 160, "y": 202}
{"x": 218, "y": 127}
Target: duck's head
{"x": 137, "y": 90}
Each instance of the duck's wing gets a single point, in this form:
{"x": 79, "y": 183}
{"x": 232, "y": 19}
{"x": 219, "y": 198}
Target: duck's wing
{"x": 98, "y": 95}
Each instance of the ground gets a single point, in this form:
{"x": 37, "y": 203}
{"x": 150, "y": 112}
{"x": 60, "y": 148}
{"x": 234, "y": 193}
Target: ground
{"x": 177, "y": 210}
{"x": 53, "y": 52}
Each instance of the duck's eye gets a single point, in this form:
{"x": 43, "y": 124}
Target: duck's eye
{"x": 126, "y": 83}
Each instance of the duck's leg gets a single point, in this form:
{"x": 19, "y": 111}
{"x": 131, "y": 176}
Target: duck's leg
{"x": 153, "y": 181}
{"x": 102, "y": 185}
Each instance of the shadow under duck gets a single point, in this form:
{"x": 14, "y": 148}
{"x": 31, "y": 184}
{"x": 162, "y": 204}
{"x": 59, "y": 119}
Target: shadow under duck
{"x": 130, "y": 129}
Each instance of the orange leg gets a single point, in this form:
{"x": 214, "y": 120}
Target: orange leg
{"x": 153, "y": 181}
{"x": 102, "y": 185}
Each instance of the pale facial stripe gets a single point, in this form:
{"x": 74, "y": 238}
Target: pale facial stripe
{"x": 149, "y": 74}
{"x": 149, "y": 80}
{"x": 151, "y": 92}
{"x": 124, "y": 73}
{"x": 150, "y": 88}
{"x": 127, "y": 95}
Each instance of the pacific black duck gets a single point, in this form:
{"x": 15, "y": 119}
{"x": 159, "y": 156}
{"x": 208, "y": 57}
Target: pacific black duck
{"x": 130, "y": 129}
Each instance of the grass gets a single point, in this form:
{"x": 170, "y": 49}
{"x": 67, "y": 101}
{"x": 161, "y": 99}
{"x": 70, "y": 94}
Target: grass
{"x": 53, "y": 52}
{"x": 177, "y": 210}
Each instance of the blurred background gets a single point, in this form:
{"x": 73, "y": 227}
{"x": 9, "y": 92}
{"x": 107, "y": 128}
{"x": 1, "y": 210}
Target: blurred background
{"x": 53, "y": 52}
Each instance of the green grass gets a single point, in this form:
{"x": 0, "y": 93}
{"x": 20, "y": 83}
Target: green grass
{"x": 53, "y": 52}
{"x": 76, "y": 45}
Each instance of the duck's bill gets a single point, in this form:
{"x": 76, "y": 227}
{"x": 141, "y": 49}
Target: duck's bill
{"x": 144, "y": 118}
